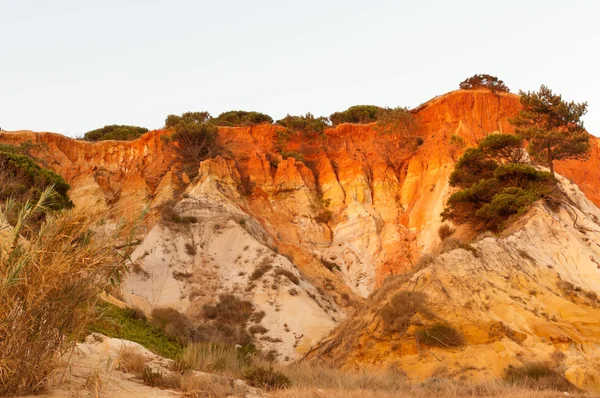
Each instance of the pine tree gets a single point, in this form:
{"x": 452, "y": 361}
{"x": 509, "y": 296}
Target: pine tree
{"x": 552, "y": 126}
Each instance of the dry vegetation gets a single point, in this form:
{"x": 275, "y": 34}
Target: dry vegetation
{"x": 48, "y": 288}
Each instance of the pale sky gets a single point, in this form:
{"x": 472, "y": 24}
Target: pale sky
{"x": 70, "y": 66}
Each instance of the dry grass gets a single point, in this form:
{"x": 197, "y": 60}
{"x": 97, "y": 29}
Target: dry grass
{"x": 48, "y": 289}
{"x": 205, "y": 387}
{"x": 131, "y": 361}
{"x": 211, "y": 358}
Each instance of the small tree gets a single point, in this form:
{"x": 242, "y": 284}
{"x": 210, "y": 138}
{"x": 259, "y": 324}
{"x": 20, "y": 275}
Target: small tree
{"x": 485, "y": 81}
{"x": 553, "y": 127}
{"x": 195, "y": 135}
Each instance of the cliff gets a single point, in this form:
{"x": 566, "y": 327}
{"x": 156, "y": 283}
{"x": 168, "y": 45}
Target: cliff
{"x": 346, "y": 210}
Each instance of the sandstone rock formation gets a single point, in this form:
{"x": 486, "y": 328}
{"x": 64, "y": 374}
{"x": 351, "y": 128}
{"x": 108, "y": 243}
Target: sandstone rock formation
{"x": 384, "y": 193}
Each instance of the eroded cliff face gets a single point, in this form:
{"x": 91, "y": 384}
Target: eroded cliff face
{"x": 520, "y": 297}
{"x": 348, "y": 209}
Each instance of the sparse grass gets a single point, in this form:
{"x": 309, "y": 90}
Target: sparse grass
{"x": 440, "y": 335}
{"x": 288, "y": 274}
{"x": 124, "y": 324}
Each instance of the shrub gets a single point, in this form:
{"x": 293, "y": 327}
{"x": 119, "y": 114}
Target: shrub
{"x": 397, "y": 313}
{"x": 537, "y": 375}
{"x": 242, "y": 118}
{"x": 485, "y": 81}
{"x": 445, "y": 231}
{"x": 175, "y": 325}
{"x": 266, "y": 378}
{"x": 504, "y": 148}
{"x": 264, "y": 267}
{"x": 123, "y": 323}
{"x": 169, "y": 214}
{"x": 397, "y": 120}
{"x": 115, "y": 132}
{"x": 48, "y": 287}
{"x": 440, "y": 335}
{"x": 230, "y": 310}
{"x": 190, "y": 249}
{"x": 22, "y": 180}
{"x": 496, "y": 187}
{"x": 195, "y": 136}
{"x": 305, "y": 124}
{"x": 260, "y": 329}
{"x": 473, "y": 165}
{"x": 288, "y": 274}
{"x": 356, "y": 114}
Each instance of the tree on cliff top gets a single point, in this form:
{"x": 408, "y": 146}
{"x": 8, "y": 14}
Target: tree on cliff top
{"x": 485, "y": 81}
{"x": 195, "y": 135}
{"x": 552, "y": 126}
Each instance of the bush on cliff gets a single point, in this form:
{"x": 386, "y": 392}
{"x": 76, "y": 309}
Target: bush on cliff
{"x": 22, "y": 180}
{"x": 115, "y": 132}
{"x": 356, "y": 114}
{"x": 496, "y": 186}
{"x": 195, "y": 137}
{"x": 484, "y": 81}
{"x": 242, "y": 118}
{"x": 308, "y": 123}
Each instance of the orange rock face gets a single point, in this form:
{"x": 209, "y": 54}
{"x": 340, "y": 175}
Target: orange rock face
{"x": 363, "y": 199}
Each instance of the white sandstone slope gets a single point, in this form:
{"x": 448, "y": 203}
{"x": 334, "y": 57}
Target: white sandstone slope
{"x": 186, "y": 265}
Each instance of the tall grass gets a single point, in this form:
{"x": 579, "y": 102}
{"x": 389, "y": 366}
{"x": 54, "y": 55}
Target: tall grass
{"x": 49, "y": 284}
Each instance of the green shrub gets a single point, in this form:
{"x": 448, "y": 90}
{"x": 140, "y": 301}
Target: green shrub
{"x": 22, "y": 180}
{"x": 266, "y": 378}
{"x": 473, "y": 165}
{"x": 504, "y": 148}
{"x": 496, "y": 186}
{"x": 242, "y": 118}
{"x": 440, "y": 335}
{"x": 356, "y": 114}
{"x": 126, "y": 324}
{"x": 115, "y": 132}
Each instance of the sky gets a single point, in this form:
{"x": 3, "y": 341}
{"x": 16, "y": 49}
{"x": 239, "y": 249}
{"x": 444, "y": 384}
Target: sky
{"x": 70, "y": 66}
